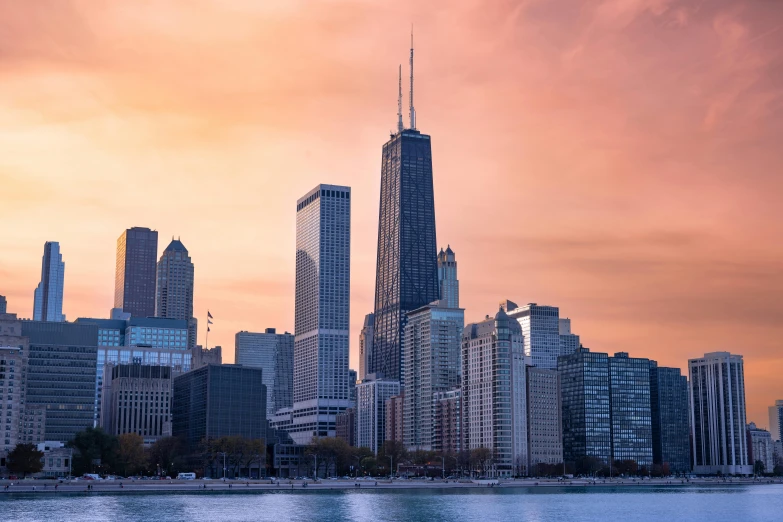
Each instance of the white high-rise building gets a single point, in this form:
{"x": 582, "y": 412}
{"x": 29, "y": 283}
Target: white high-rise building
{"x": 447, "y": 277}
{"x": 761, "y": 447}
{"x": 541, "y": 328}
{"x": 431, "y": 348}
{"x": 322, "y": 311}
{"x": 371, "y": 397}
{"x": 48, "y": 295}
{"x": 274, "y": 353}
{"x": 494, "y": 394}
{"x": 776, "y": 420}
{"x": 717, "y": 397}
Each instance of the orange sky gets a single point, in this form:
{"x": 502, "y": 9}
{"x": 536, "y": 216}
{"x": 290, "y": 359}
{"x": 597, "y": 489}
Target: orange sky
{"x": 620, "y": 159}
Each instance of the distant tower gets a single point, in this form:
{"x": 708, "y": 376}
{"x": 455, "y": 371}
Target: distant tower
{"x": 134, "y": 282}
{"x": 48, "y": 296}
{"x": 365, "y": 345}
{"x": 447, "y": 278}
{"x": 174, "y": 296}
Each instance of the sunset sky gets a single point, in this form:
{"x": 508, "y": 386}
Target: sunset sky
{"x": 620, "y": 159}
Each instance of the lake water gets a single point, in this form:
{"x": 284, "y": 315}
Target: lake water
{"x": 716, "y": 504}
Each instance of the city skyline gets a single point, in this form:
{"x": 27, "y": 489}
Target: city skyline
{"x": 647, "y": 241}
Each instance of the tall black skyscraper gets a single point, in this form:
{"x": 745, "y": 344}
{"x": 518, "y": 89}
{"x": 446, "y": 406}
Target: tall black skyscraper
{"x": 407, "y": 271}
{"x": 134, "y": 282}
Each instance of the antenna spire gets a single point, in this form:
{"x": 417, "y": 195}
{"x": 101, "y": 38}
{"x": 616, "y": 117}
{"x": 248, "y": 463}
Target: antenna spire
{"x": 399, "y": 101}
{"x": 413, "y": 111}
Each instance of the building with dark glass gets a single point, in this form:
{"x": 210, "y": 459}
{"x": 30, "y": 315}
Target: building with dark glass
{"x": 274, "y": 353}
{"x": 669, "y": 409}
{"x": 135, "y": 277}
{"x": 48, "y": 295}
{"x": 406, "y": 276}
{"x": 219, "y": 401}
{"x": 629, "y": 400}
{"x": 61, "y": 375}
{"x": 174, "y": 290}
{"x": 584, "y": 381}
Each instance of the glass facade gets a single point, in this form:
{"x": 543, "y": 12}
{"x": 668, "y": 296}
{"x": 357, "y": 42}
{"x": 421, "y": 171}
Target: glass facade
{"x": 274, "y": 353}
{"x": 135, "y": 277}
{"x": 629, "y": 385}
{"x": 407, "y": 273}
{"x": 669, "y": 408}
{"x": 48, "y": 296}
{"x": 541, "y": 328}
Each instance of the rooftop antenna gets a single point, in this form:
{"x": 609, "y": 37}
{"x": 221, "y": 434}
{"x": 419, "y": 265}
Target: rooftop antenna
{"x": 413, "y": 111}
{"x": 399, "y": 101}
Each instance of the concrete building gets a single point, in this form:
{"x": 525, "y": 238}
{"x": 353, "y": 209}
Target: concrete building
{"x": 322, "y": 311}
{"x": 61, "y": 375}
{"x": 219, "y": 401}
{"x": 274, "y": 353}
{"x": 346, "y": 426}
{"x": 446, "y": 417}
{"x": 584, "y": 391}
{"x": 760, "y": 448}
{"x": 13, "y": 348}
{"x": 569, "y": 342}
{"x": 203, "y": 356}
{"x": 353, "y": 380}
{"x": 174, "y": 290}
{"x": 48, "y": 295}
{"x": 431, "y": 363}
{"x": 447, "y": 278}
{"x": 494, "y": 394}
{"x": 365, "y": 346}
{"x": 776, "y": 420}
{"x": 541, "y": 330}
{"x": 717, "y": 409}
{"x": 669, "y": 409}
{"x": 135, "y": 276}
{"x": 371, "y": 397}
{"x": 57, "y": 460}
{"x": 3, "y": 305}
{"x": 394, "y": 417}
{"x": 544, "y": 419}
{"x": 137, "y": 399}
{"x": 631, "y": 418}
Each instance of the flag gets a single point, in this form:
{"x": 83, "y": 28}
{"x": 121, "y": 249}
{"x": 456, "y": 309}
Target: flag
{"x": 208, "y": 329}
{"x": 209, "y": 315}
{"x": 209, "y": 322}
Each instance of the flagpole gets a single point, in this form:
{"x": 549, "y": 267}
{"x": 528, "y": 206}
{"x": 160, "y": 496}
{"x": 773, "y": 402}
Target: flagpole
{"x": 206, "y": 341}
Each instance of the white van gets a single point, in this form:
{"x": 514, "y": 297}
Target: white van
{"x": 186, "y": 476}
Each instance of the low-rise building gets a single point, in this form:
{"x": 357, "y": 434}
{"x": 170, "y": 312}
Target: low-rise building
{"x": 57, "y": 459}
{"x": 761, "y": 448}
{"x": 346, "y": 426}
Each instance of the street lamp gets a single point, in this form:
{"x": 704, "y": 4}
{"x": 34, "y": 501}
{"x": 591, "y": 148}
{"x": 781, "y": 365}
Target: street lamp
{"x": 391, "y": 466}
{"x": 224, "y": 464}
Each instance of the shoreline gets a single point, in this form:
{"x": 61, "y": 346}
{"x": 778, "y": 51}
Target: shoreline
{"x": 47, "y": 487}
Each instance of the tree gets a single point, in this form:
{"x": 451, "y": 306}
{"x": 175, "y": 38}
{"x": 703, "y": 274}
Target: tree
{"x": 758, "y": 467}
{"x": 169, "y": 453}
{"x": 480, "y": 458}
{"x": 24, "y": 459}
{"x": 96, "y": 451}
{"x": 392, "y": 452}
{"x": 132, "y": 458}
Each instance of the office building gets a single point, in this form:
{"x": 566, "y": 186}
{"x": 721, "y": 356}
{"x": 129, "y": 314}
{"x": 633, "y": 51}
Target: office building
{"x": 447, "y": 278}
{"x": 630, "y": 415}
{"x": 541, "y": 329}
{"x": 446, "y": 417}
{"x": 431, "y": 362}
{"x": 3, "y": 305}
{"x": 371, "y": 397}
{"x": 584, "y": 392}
{"x": 219, "y": 401}
{"x": 494, "y": 409}
{"x": 274, "y": 353}
{"x": 569, "y": 342}
{"x": 394, "y": 418}
{"x": 137, "y": 399}
{"x": 346, "y": 426}
{"x": 353, "y": 380}
{"x": 669, "y": 410}
{"x": 174, "y": 290}
{"x": 322, "y": 311}
{"x": 48, "y": 295}
{"x": 61, "y": 375}
{"x": 544, "y": 420}
{"x": 717, "y": 410}
{"x": 776, "y": 420}
{"x": 406, "y": 275}
{"x": 135, "y": 277}
{"x": 13, "y": 350}
{"x": 365, "y": 345}
{"x": 760, "y": 448}
{"x": 203, "y": 356}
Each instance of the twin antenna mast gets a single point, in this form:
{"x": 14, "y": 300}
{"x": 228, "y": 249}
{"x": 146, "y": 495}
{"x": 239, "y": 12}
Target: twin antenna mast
{"x": 400, "y": 126}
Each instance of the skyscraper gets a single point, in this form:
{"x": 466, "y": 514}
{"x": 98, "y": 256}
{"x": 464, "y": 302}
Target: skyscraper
{"x": 371, "y": 399}
{"x": 274, "y": 353}
{"x": 322, "y": 311}
{"x": 541, "y": 328}
{"x": 569, "y": 342}
{"x": 3, "y": 305}
{"x": 776, "y": 420}
{"x": 629, "y": 400}
{"x": 447, "y": 277}
{"x": 174, "y": 290}
{"x": 669, "y": 408}
{"x": 48, "y": 296}
{"x": 365, "y": 346}
{"x": 134, "y": 281}
{"x": 544, "y": 421}
{"x": 717, "y": 383}
{"x": 407, "y": 272}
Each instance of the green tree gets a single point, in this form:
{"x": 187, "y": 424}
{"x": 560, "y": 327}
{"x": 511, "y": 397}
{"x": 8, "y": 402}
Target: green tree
{"x": 24, "y": 459}
{"x": 132, "y": 458}
{"x": 96, "y": 451}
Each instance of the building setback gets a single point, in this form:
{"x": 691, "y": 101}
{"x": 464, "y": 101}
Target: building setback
{"x": 135, "y": 276}
{"x": 174, "y": 290}
{"x": 569, "y": 342}
{"x": 447, "y": 277}
{"x": 544, "y": 420}
{"x": 219, "y": 401}
{"x": 274, "y": 353}
{"x": 371, "y": 397}
{"x": 669, "y": 409}
{"x": 48, "y": 295}
{"x": 717, "y": 409}
{"x": 494, "y": 410}
{"x": 541, "y": 329}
